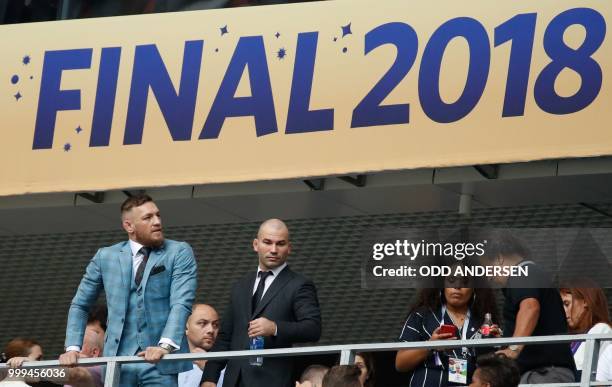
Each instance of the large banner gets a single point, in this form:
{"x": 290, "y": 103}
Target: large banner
{"x": 301, "y": 90}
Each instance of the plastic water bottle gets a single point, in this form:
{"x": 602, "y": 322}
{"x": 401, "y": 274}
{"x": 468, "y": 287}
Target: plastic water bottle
{"x": 257, "y": 342}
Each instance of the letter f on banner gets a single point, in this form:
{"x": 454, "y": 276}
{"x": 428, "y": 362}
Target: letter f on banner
{"x": 52, "y": 99}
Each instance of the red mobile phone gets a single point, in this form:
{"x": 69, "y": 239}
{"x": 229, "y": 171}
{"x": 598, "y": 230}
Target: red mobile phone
{"x": 448, "y": 328}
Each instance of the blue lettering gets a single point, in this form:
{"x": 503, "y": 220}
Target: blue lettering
{"x": 52, "y": 99}
{"x": 177, "y": 108}
{"x": 249, "y": 52}
{"x": 105, "y": 97}
{"x": 299, "y": 118}
{"x": 478, "y": 71}
{"x": 370, "y": 112}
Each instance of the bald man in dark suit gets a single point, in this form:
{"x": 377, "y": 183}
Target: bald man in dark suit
{"x": 272, "y": 301}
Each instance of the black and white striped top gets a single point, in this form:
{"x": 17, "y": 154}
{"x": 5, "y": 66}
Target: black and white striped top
{"x": 418, "y": 327}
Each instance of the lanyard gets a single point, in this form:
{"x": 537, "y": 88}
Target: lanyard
{"x": 466, "y": 324}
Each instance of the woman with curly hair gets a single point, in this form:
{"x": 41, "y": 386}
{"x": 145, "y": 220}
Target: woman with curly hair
{"x": 458, "y": 303}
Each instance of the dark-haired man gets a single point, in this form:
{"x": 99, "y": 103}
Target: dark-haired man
{"x": 532, "y": 307}
{"x": 342, "y": 376}
{"x": 495, "y": 371}
{"x": 150, "y": 286}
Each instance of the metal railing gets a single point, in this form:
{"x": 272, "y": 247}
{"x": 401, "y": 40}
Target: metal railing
{"x": 347, "y": 354}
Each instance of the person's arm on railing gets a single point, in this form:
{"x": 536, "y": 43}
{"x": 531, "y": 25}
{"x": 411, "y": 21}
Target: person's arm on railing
{"x": 526, "y": 321}
{"x": 17, "y": 361}
{"x": 87, "y": 293}
{"x": 182, "y": 295}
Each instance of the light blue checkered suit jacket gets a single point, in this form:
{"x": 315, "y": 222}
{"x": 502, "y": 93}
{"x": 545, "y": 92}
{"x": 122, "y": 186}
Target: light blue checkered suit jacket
{"x": 168, "y": 296}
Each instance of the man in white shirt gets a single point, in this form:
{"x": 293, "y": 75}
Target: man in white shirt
{"x": 150, "y": 284}
{"x": 271, "y": 302}
{"x": 201, "y": 330}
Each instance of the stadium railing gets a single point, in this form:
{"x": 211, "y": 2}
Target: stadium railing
{"x": 347, "y": 354}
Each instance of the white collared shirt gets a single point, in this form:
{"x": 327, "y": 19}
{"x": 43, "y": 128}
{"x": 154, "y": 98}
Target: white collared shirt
{"x": 137, "y": 256}
{"x": 194, "y": 377}
{"x": 269, "y": 279}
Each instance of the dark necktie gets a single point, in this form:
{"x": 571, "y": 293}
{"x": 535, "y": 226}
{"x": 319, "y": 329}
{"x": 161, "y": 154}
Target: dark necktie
{"x": 260, "y": 288}
{"x": 145, "y": 251}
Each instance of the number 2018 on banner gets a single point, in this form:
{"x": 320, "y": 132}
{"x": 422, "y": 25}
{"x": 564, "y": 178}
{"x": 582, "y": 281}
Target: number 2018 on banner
{"x": 178, "y": 106}
{"x": 518, "y": 31}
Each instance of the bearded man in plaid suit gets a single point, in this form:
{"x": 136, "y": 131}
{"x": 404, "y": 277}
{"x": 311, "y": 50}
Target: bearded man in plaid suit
{"x": 150, "y": 287}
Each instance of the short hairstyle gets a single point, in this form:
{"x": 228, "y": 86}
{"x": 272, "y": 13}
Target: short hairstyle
{"x": 93, "y": 339}
{"x": 196, "y": 305}
{"x": 98, "y": 313}
{"x": 342, "y": 376}
{"x": 201, "y": 304}
{"x": 135, "y": 201}
{"x": 19, "y": 347}
{"x": 502, "y": 242}
{"x": 275, "y": 224}
{"x": 498, "y": 370}
{"x": 314, "y": 374}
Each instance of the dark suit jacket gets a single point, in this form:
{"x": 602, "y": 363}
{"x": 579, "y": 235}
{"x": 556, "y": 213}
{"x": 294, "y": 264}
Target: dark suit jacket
{"x": 291, "y": 302}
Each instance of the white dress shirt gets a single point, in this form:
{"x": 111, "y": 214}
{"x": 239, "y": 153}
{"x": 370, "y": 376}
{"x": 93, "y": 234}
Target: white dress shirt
{"x": 194, "y": 377}
{"x": 137, "y": 256}
{"x": 269, "y": 279}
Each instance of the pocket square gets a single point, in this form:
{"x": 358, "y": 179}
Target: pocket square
{"x": 158, "y": 269}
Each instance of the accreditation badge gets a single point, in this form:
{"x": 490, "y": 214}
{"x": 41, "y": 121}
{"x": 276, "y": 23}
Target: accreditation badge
{"x": 457, "y": 370}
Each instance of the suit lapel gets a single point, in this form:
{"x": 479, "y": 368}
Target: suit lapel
{"x": 125, "y": 261}
{"x": 283, "y": 278}
{"x": 249, "y": 283}
{"x": 155, "y": 256}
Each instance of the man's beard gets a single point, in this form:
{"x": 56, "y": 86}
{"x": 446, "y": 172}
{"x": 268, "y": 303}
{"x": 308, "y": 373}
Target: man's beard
{"x": 148, "y": 241}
